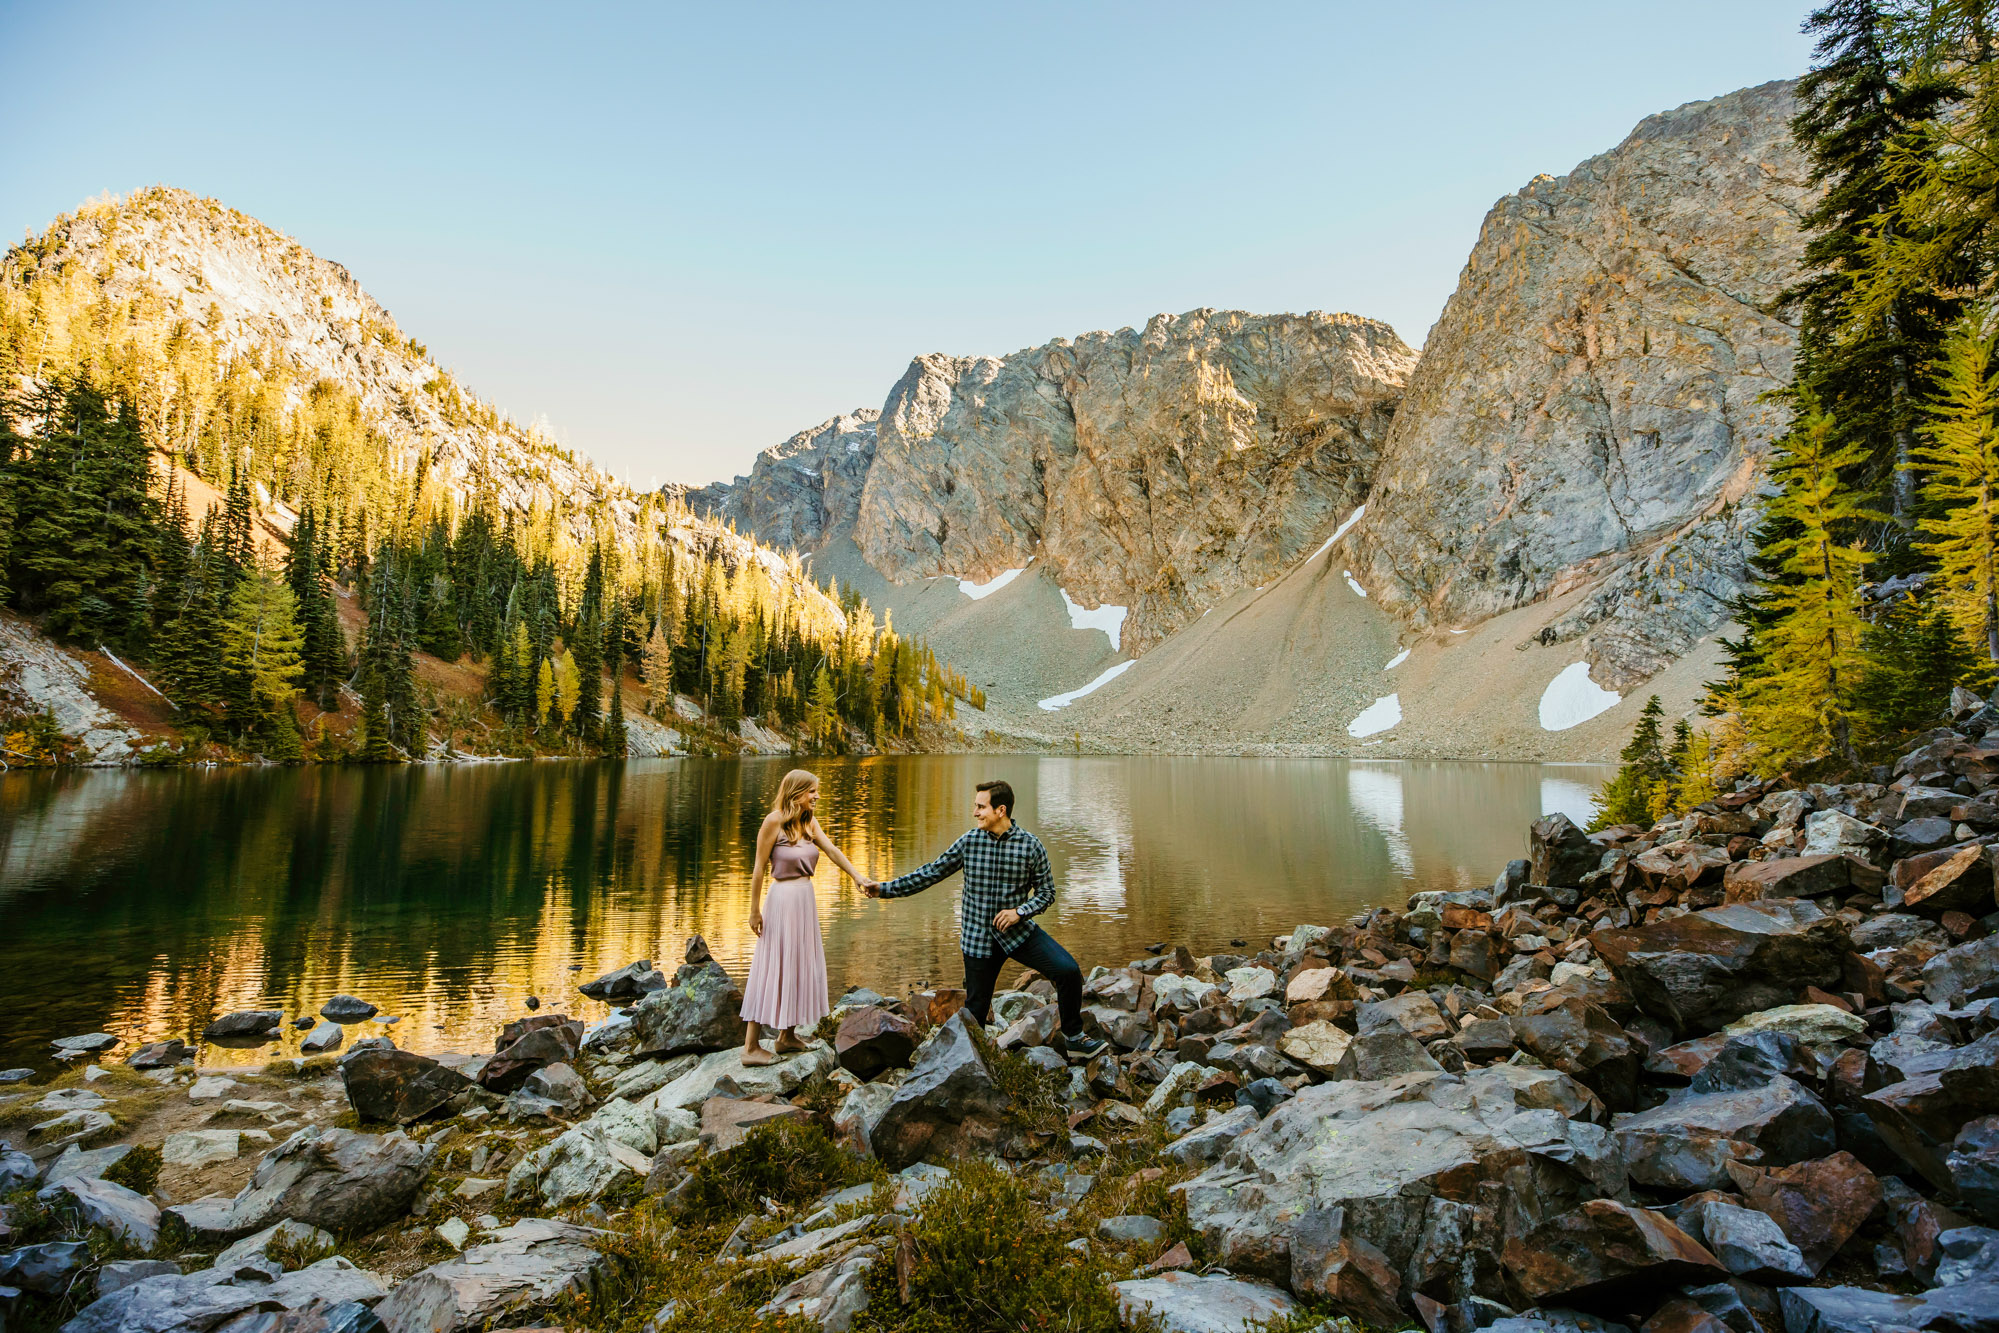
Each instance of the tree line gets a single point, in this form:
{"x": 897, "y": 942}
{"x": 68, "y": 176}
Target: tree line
{"x": 1876, "y": 566}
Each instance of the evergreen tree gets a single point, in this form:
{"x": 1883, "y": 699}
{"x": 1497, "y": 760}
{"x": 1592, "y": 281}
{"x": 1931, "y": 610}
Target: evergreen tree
{"x": 822, "y": 711}
{"x": 614, "y": 726}
{"x": 587, "y": 650}
{"x": 657, "y": 666}
{"x": 1912, "y": 656}
{"x": 1961, "y": 486}
{"x": 1627, "y": 798}
{"x": 262, "y": 651}
{"x": 387, "y": 668}
{"x": 1800, "y": 703}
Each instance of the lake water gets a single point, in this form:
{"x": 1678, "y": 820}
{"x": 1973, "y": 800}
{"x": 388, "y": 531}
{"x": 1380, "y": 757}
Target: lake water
{"x": 145, "y": 903}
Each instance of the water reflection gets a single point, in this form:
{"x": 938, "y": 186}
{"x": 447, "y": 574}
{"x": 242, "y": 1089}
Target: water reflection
{"x": 145, "y": 903}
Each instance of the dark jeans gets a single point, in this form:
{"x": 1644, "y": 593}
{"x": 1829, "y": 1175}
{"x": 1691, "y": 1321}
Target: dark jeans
{"x": 1040, "y": 952}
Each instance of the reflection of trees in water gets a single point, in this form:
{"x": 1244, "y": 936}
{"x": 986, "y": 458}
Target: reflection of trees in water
{"x": 146, "y": 902}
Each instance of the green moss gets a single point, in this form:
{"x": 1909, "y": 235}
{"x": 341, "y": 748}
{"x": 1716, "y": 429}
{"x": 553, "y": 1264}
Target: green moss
{"x": 137, "y": 1170}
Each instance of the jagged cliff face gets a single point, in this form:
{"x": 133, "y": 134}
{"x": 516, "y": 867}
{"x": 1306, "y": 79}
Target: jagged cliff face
{"x": 1588, "y": 408}
{"x": 1157, "y": 470}
{"x": 802, "y": 491}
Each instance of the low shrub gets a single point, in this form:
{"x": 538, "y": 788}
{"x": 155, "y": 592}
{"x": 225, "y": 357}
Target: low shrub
{"x": 982, "y": 1258}
{"x": 138, "y": 1169}
{"x": 788, "y": 1161}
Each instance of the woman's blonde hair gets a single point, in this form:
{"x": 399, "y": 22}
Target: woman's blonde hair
{"x": 787, "y": 806}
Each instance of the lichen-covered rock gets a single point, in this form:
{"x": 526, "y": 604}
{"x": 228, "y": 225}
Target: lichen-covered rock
{"x": 701, "y": 1011}
{"x": 947, "y": 1106}
{"x": 337, "y": 1179}
{"x": 520, "y": 1268}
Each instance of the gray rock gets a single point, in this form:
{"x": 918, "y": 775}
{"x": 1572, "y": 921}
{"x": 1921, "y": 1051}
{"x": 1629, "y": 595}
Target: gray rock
{"x": 1971, "y": 1307}
{"x": 780, "y": 1078}
{"x": 297, "y": 1235}
{"x": 1748, "y": 1062}
{"x": 1384, "y": 1054}
{"x": 87, "y": 1162}
{"x": 212, "y": 1297}
{"x": 829, "y": 1297}
{"x": 1206, "y": 1143}
{"x": 15, "y": 1075}
{"x": 118, "y": 1273}
{"x": 1131, "y": 1229}
{"x": 860, "y": 1111}
{"x": 1974, "y": 1167}
{"x": 347, "y": 1009}
{"x": 521, "y": 1267}
{"x": 1413, "y": 1012}
{"x": 1687, "y": 1143}
{"x": 1748, "y": 1243}
{"x": 530, "y": 1044}
{"x": 88, "y": 1044}
{"x": 1968, "y": 972}
{"x": 47, "y": 1268}
{"x": 323, "y": 1037}
{"x": 562, "y": 1085}
{"x": 629, "y": 982}
{"x": 1897, "y": 930}
{"x": 1201, "y": 1303}
{"x": 701, "y": 1011}
{"x": 947, "y": 1106}
{"x": 1706, "y": 969}
{"x": 125, "y": 1213}
{"x": 245, "y": 1025}
{"x": 1968, "y": 1254}
{"x": 1830, "y": 832}
{"x": 345, "y": 1182}
{"x": 16, "y": 1169}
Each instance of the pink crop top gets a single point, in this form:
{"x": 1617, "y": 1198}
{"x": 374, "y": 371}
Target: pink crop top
{"x": 794, "y": 860}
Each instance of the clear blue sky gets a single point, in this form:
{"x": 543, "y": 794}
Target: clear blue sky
{"x": 681, "y": 233}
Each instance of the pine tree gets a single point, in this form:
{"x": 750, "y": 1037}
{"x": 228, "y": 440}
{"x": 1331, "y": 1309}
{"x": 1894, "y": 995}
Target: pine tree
{"x": 657, "y": 664}
{"x": 614, "y": 728}
{"x": 822, "y": 711}
{"x": 1628, "y": 797}
{"x": 1801, "y": 702}
{"x": 1961, "y": 485}
{"x": 262, "y": 658}
{"x": 1912, "y": 656}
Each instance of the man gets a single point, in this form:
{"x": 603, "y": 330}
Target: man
{"x": 1007, "y": 882}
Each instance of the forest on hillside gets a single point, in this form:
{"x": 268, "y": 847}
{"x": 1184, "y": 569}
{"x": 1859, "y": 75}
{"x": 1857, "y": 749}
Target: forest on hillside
{"x": 1877, "y": 560}
{"x": 113, "y": 408}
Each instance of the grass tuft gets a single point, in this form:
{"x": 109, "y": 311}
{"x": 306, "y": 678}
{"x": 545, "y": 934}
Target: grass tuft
{"x": 137, "y": 1170}
{"x": 788, "y": 1161}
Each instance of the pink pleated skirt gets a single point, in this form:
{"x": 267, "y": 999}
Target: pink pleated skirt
{"x": 787, "y": 985}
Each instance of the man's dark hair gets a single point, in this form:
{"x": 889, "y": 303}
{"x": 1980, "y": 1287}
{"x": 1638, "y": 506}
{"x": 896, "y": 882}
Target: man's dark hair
{"x": 1001, "y": 797}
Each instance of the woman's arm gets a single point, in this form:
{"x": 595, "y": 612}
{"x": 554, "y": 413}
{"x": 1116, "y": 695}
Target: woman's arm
{"x": 839, "y": 858}
{"x": 766, "y": 839}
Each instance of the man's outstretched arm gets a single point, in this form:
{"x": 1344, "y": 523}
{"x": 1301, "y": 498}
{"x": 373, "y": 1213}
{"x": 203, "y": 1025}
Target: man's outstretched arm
{"x": 916, "y": 881}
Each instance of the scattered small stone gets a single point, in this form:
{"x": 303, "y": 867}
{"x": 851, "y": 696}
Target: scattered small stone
{"x": 90, "y": 1043}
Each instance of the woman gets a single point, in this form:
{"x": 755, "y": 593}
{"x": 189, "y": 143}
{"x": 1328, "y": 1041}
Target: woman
{"x": 787, "y": 985}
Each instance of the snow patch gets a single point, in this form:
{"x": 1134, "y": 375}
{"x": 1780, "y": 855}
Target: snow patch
{"x": 977, "y": 590}
{"x": 1352, "y": 583}
{"x": 1338, "y": 533}
{"x": 1397, "y": 660}
{"x": 1572, "y": 698}
{"x": 113, "y": 658}
{"x": 1108, "y": 618}
{"x": 1380, "y": 715}
{"x": 1054, "y": 702}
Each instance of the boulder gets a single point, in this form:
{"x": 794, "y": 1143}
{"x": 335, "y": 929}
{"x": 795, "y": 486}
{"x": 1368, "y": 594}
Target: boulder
{"x": 47, "y": 1268}
{"x": 1250, "y": 983}
{"x": 1597, "y": 1254}
{"x": 947, "y": 1106}
{"x": 196, "y": 1148}
{"x": 16, "y": 1169}
{"x": 1318, "y": 1046}
{"x": 346, "y": 1182}
{"x": 1384, "y": 1150}
{"x": 1818, "y": 1205}
{"x": 727, "y": 1121}
{"x": 629, "y": 982}
{"x": 1830, "y": 831}
{"x": 1747, "y": 1062}
{"x": 519, "y": 1268}
{"x": 1799, "y": 877}
{"x": 871, "y": 1039}
{"x": 1412, "y": 1011}
{"x": 89, "y": 1043}
{"x": 1472, "y": 953}
{"x": 1560, "y": 853}
{"x": 780, "y": 1078}
{"x": 91, "y": 1162}
{"x": 1580, "y": 1039}
{"x": 295, "y": 1236}
{"x": 1961, "y": 884}
{"x": 578, "y": 1165}
{"x": 117, "y": 1273}
{"x": 1966, "y": 1308}
{"x": 245, "y": 1025}
{"x": 1173, "y": 993}
{"x": 1708, "y": 968}
{"x": 1811, "y": 1024}
{"x": 561, "y": 1084}
{"x": 1689, "y": 1142}
{"x": 1206, "y": 1143}
{"x": 347, "y": 1009}
{"x": 858, "y": 1114}
{"x": 1968, "y": 972}
{"x": 399, "y": 1086}
{"x": 550, "y": 1044}
{"x": 1196, "y": 1303}
{"x": 701, "y": 1011}
{"x": 1920, "y": 1117}
{"x": 125, "y": 1213}
{"x": 1384, "y": 1054}
{"x": 1749, "y": 1243}
{"x": 216, "y": 1296}
{"x": 160, "y": 1054}
{"x": 1968, "y": 1254}
{"x": 1973, "y": 1165}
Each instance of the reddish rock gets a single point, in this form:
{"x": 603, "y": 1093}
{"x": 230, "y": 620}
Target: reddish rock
{"x": 1706, "y": 969}
{"x": 399, "y": 1086}
{"x": 552, "y": 1044}
{"x": 1356, "y": 1278}
{"x": 1580, "y": 1039}
{"x": 935, "y": 1007}
{"x": 1818, "y": 1205}
{"x": 1681, "y": 1315}
{"x": 726, "y": 1121}
{"x": 872, "y": 1039}
{"x": 1561, "y": 853}
{"x": 1472, "y": 953}
{"x": 1919, "y": 1117}
{"x": 1905, "y": 872}
{"x": 1961, "y": 884}
{"x": 1595, "y": 1255}
{"x": 1458, "y": 917}
{"x": 1799, "y": 877}
{"x": 520, "y": 1027}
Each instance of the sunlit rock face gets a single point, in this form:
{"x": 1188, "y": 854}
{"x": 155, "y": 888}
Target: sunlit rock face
{"x": 1590, "y": 407}
{"x": 1158, "y": 469}
{"x": 803, "y": 491}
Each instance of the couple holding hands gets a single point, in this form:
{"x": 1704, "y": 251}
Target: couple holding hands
{"x": 1007, "y": 883}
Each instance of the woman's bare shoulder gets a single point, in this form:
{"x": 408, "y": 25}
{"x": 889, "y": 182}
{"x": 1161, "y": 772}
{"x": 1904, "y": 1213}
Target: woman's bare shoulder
{"x": 772, "y": 822}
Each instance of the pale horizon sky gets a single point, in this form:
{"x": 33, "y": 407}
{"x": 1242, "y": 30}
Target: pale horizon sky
{"x": 680, "y": 234}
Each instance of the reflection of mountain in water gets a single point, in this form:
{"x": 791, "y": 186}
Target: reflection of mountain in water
{"x": 144, "y": 903}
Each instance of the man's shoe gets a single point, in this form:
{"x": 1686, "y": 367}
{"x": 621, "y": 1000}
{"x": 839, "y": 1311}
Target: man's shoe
{"x": 1080, "y": 1047}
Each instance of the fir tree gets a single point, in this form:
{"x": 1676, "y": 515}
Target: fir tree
{"x": 261, "y": 659}
{"x": 1627, "y": 797}
{"x": 1912, "y": 656}
{"x": 822, "y": 711}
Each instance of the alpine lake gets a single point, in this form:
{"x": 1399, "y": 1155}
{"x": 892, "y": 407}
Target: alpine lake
{"x": 145, "y": 903}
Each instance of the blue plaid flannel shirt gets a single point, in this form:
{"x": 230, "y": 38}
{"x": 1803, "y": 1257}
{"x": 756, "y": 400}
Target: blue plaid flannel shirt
{"x": 1007, "y": 871}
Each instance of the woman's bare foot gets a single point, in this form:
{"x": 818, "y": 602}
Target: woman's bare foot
{"x": 757, "y": 1055}
{"x": 789, "y": 1044}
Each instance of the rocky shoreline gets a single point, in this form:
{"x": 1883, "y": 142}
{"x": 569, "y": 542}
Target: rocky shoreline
{"x": 1739, "y": 1070}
